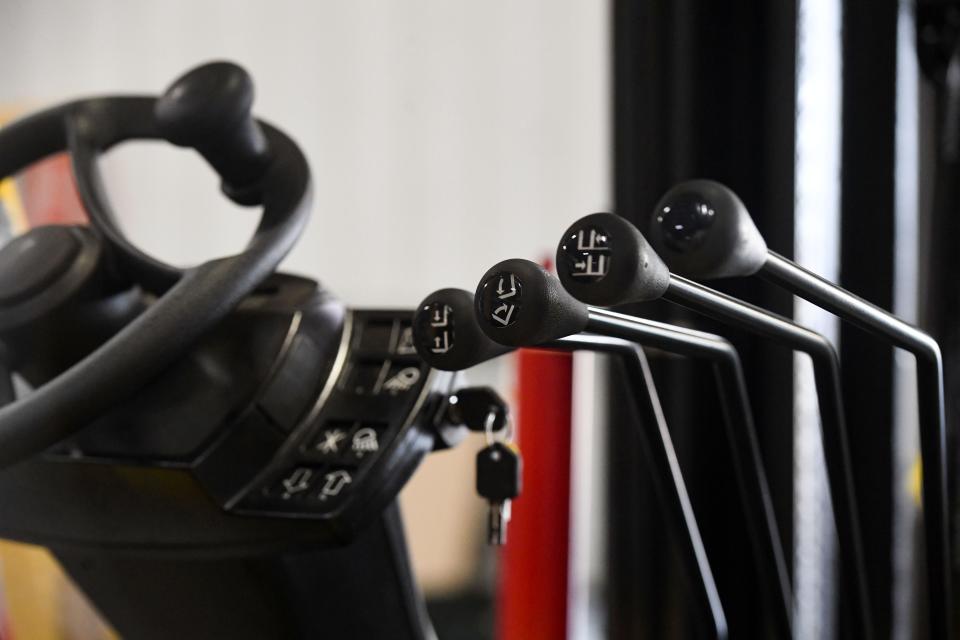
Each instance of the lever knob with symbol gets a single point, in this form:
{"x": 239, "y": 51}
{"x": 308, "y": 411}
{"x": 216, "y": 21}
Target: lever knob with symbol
{"x": 446, "y": 334}
{"x": 603, "y": 260}
{"x": 519, "y": 304}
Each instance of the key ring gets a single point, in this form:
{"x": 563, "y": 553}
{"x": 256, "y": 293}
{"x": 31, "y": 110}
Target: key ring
{"x": 507, "y": 432}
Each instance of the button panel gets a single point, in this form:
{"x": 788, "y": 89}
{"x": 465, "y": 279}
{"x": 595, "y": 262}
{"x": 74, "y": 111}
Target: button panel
{"x": 363, "y": 440}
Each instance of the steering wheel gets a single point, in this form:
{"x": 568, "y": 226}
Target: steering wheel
{"x": 207, "y": 109}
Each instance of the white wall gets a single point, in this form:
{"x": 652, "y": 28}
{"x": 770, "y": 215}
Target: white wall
{"x": 443, "y": 135}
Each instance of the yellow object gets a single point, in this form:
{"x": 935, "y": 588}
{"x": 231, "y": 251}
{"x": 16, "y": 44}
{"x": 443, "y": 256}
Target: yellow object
{"x": 9, "y": 198}
{"x": 30, "y": 584}
{"x": 916, "y": 480}
{"x": 42, "y": 602}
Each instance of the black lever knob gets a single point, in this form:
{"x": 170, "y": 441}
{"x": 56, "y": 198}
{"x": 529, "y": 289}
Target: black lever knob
{"x": 519, "y": 304}
{"x": 702, "y": 230}
{"x": 446, "y": 334}
{"x": 209, "y": 109}
{"x": 604, "y": 260}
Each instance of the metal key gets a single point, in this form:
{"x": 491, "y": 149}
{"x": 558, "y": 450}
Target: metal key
{"x": 498, "y": 481}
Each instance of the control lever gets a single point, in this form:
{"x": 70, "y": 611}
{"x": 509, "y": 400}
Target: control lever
{"x": 555, "y": 317}
{"x": 704, "y": 231}
{"x": 632, "y": 271}
{"x": 472, "y": 347}
{"x": 667, "y": 477}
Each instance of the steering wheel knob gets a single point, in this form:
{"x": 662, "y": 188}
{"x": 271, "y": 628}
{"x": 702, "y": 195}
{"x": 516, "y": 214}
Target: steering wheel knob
{"x": 210, "y": 109}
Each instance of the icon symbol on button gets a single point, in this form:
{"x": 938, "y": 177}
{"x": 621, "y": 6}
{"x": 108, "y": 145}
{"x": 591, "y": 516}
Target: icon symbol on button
{"x": 440, "y": 315}
{"x": 405, "y": 346}
{"x": 437, "y": 325}
{"x": 501, "y": 299}
{"x": 587, "y": 254}
{"x": 330, "y": 443}
{"x": 441, "y": 343}
{"x": 597, "y": 241}
{"x": 333, "y": 483}
{"x": 365, "y": 441}
{"x": 403, "y": 380}
{"x": 505, "y": 310}
{"x": 588, "y": 268}
{"x": 296, "y": 482}
{"x": 502, "y": 293}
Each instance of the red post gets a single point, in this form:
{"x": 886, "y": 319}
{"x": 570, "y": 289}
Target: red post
{"x": 532, "y": 598}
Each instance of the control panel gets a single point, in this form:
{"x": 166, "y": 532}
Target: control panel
{"x": 294, "y": 408}
{"x": 363, "y": 434}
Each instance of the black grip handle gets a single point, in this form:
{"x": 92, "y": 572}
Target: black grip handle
{"x": 446, "y": 334}
{"x": 604, "y": 260}
{"x": 702, "y": 230}
{"x": 519, "y": 304}
{"x": 209, "y": 109}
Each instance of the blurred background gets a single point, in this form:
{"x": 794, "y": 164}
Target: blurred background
{"x": 443, "y": 137}
{"x": 446, "y": 136}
